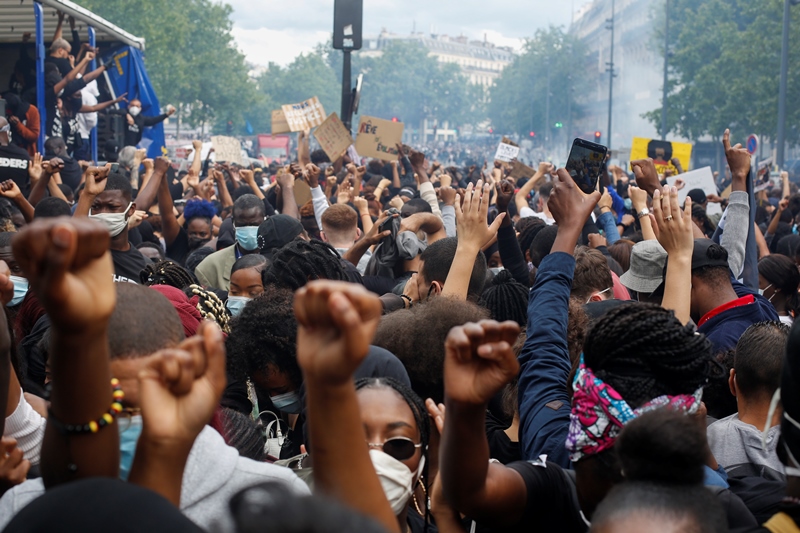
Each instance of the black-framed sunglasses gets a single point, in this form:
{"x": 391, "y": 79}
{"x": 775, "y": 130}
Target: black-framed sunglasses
{"x": 401, "y": 448}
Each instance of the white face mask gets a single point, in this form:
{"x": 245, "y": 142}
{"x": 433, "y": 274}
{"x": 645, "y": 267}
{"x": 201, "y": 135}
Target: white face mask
{"x": 762, "y": 291}
{"x": 396, "y": 478}
{"x": 114, "y": 222}
{"x": 133, "y": 111}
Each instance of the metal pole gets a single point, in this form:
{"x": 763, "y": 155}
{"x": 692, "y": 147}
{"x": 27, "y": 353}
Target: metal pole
{"x": 547, "y": 109}
{"x": 346, "y": 89}
{"x": 38, "y": 11}
{"x": 782, "y": 94}
{"x": 93, "y": 133}
{"x": 610, "y": 80}
{"x": 666, "y": 73}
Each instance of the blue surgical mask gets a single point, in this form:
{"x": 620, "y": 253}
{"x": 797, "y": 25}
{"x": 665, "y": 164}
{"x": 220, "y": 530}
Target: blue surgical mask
{"x": 288, "y": 402}
{"x": 628, "y": 204}
{"x": 247, "y": 237}
{"x": 235, "y": 304}
{"x": 20, "y": 290}
{"x": 129, "y": 432}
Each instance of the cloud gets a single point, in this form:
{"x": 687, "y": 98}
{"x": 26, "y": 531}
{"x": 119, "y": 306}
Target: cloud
{"x": 278, "y": 31}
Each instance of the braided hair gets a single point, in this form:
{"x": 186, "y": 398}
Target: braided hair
{"x": 506, "y": 299}
{"x": 301, "y": 261}
{"x": 210, "y": 306}
{"x": 644, "y": 352}
{"x": 414, "y": 402}
{"x": 166, "y": 272}
{"x": 528, "y": 227}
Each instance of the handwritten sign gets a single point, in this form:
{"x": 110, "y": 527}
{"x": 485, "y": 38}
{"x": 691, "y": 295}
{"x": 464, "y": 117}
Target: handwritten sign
{"x": 377, "y": 138}
{"x": 333, "y": 137}
{"x": 701, "y": 178}
{"x": 506, "y": 152}
{"x": 661, "y": 152}
{"x": 521, "y": 170}
{"x": 305, "y": 115}
{"x": 279, "y": 124}
{"x": 227, "y": 149}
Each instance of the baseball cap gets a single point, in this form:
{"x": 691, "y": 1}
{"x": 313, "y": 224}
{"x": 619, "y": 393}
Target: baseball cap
{"x": 698, "y": 196}
{"x": 700, "y": 257}
{"x": 647, "y": 267}
{"x": 277, "y": 231}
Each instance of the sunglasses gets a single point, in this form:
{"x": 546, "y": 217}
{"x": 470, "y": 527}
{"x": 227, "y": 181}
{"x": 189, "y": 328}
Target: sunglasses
{"x": 401, "y": 448}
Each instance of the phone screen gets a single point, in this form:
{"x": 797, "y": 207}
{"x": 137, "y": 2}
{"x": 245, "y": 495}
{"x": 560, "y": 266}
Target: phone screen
{"x": 585, "y": 163}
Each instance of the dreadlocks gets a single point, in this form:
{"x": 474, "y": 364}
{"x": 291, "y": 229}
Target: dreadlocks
{"x": 506, "y": 299}
{"x": 210, "y": 306}
{"x": 166, "y": 272}
{"x": 644, "y": 352}
{"x": 301, "y": 261}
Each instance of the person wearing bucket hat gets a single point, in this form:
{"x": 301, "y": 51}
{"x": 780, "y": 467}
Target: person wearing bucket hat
{"x": 648, "y": 260}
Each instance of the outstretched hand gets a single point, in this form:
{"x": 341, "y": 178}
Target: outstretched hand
{"x": 336, "y": 324}
{"x": 471, "y": 216}
{"x": 569, "y": 205}
{"x": 675, "y": 232}
{"x": 68, "y": 265}
{"x": 737, "y": 156}
{"x": 479, "y": 360}
{"x": 646, "y": 175}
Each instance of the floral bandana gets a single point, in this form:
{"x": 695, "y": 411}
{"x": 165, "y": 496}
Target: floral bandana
{"x": 599, "y": 413}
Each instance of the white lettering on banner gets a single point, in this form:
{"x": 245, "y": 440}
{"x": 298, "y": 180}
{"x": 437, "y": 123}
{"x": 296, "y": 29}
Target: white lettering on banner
{"x": 506, "y": 152}
{"x": 13, "y": 163}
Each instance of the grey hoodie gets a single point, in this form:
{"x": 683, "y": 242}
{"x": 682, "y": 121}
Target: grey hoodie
{"x": 735, "y": 443}
{"x": 214, "y": 473}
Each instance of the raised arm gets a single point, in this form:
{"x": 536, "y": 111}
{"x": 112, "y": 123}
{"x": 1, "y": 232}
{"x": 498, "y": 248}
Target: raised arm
{"x": 69, "y": 268}
{"x": 737, "y": 219}
{"x": 303, "y": 150}
{"x": 103, "y": 105}
{"x": 222, "y": 188}
{"x": 9, "y": 189}
{"x": 521, "y": 199}
{"x": 473, "y": 233}
{"x": 544, "y": 359}
{"x": 507, "y": 243}
{"x": 41, "y": 173}
{"x": 639, "y": 201}
{"x": 147, "y": 195}
{"x": 249, "y": 178}
{"x": 170, "y": 228}
{"x": 336, "y": 323}
{"x": 286, "y": 181}
{"x": 676, "y": 236}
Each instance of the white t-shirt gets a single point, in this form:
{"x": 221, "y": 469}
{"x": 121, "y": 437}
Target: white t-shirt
{"x": 87, "y": 121}
{"x": 528, "y": 212}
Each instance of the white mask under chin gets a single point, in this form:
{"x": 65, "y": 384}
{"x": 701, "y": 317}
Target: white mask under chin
{"x": 396, "y": 478}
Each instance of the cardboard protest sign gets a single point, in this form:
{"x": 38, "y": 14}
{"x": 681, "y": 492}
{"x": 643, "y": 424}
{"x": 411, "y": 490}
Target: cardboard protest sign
{"x": 661, "y": 152}
{"x": 701, "y": 178}
{"x": 377, "y": 138}
{"x": 302, "y": 192}
{"x": 305, "y": 115}
{"x": 227, "y": 149}
{"x": 521, "y": 170}
{"x": 279, "y": 124}
{"x": 333, "y": 137}
{"x": 506, "y": 152}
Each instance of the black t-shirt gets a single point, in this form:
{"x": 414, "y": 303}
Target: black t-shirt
{"x": 14, "y": 166}
{"x": 552, "y": 499}
{"x": 179, "y": 249}
{"x": 128, "y": 265}
{"x": 71, "y": 174}
{"x": 500, "y": 446}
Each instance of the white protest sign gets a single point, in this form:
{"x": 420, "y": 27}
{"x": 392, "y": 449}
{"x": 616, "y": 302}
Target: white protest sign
{"x": 305, "y": 115}
{"x": 702, "y": 178}
{"x": 506, "y": 152}
{"x": 227, "y": 149}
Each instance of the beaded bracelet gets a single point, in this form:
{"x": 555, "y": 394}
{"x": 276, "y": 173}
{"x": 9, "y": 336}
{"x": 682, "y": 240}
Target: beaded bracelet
{"x": 95, "y": 425}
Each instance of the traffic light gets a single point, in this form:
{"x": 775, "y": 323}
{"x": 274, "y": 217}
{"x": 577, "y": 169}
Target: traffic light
{"x": 559, "y": 125}
{"x": 532, "y": 134}
{"x": 597, "y": 136}
{"x": 491, "y": 130}
{"x": 394, "y": 119}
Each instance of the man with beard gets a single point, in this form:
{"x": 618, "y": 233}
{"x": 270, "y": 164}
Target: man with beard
{"x": 196, "y": 230}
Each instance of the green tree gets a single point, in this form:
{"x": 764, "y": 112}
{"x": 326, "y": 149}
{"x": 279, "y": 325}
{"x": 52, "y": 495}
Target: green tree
{"x": 190, "y": 56}
{"x": 724, "y": 69}
{"x": 518, "y": 98}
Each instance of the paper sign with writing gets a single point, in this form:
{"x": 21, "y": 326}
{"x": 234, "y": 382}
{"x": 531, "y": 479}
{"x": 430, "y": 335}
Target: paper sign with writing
{"x": 661, "y": 152}
{"x": 521, "y": 170}
{"x": 506, "y": 152}
{"x": 305, "y": 115}
{"x": 279, "y": 124}
{"x": 701, "y": 178}
{"x": 333, "y": 137}
{"x": 227, "y": 149}
{"x": 377, "y": 138}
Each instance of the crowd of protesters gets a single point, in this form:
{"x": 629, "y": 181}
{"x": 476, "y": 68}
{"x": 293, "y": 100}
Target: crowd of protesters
{"x": 413, "y": 345}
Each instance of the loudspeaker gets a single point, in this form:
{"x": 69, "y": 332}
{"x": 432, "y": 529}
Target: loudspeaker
{"x": 347, "y": 20}
{"x": 110, "y": 128}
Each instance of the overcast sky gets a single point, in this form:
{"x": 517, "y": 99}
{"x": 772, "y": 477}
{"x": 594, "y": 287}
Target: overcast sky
{"x": 278, "y": 30}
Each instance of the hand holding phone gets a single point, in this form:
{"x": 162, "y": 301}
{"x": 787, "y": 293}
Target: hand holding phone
{"x": 585, "y": 163}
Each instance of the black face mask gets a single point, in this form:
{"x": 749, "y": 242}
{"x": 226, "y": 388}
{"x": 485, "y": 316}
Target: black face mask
{"x": 195, "y": 243}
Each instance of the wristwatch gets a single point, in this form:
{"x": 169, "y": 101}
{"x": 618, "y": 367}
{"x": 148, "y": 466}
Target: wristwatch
{"x": 643, "y": 213}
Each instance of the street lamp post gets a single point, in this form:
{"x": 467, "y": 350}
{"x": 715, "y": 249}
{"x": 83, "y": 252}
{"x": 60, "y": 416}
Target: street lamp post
{"x": 784, "y": 75}
{"x": 666, "y": 73}
{"x": 610, "y": 76}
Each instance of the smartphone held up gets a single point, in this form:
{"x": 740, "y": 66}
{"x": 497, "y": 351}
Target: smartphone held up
{"x": 585, "y": 163}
